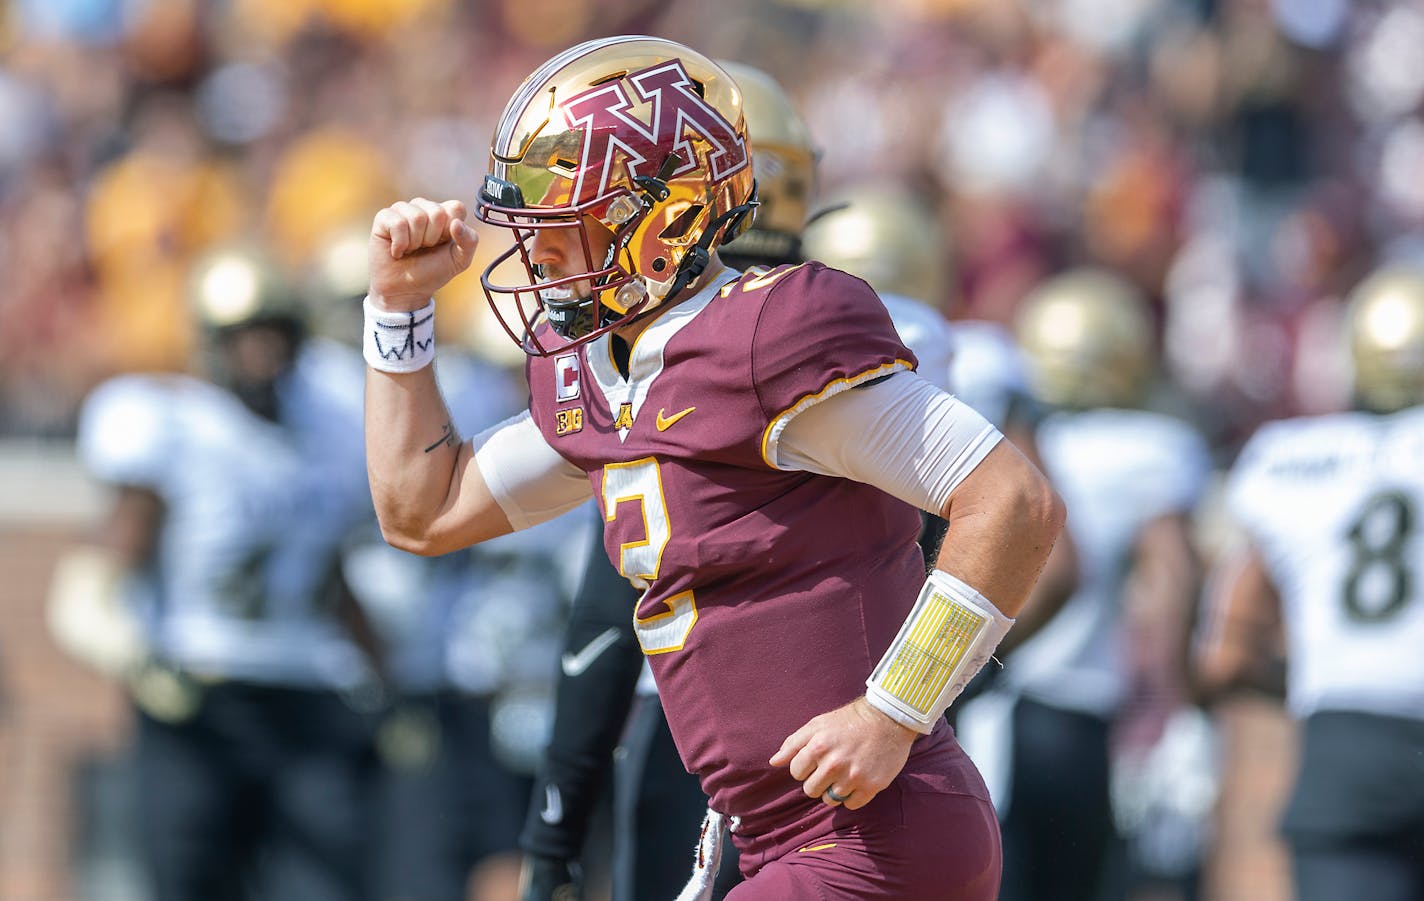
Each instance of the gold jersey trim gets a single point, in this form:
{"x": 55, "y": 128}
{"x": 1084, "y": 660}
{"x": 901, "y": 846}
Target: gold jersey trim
{"x": 771, "y": 436}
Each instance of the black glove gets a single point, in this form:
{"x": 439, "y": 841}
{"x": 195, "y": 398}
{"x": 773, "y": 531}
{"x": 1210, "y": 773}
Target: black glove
{"x": 549, "y": 879}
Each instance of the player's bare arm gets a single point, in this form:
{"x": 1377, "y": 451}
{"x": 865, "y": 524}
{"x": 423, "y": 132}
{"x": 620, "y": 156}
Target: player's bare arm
{"x": 1160, "y": 597}
{"x": 1059, "y": 577}
{"x": 429, "y": 495}
{"x": 1004, "y": 519}
{"x": 1239, "y": 645}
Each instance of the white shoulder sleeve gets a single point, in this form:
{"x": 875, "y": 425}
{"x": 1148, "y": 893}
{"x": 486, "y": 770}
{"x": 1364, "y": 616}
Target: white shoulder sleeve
{"x": 125, "y": 432}
{"x": 531, "y": 482}
{"x": 902, "y": 435}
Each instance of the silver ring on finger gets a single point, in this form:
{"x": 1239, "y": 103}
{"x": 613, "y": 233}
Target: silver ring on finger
{"x": 835, "y": 798}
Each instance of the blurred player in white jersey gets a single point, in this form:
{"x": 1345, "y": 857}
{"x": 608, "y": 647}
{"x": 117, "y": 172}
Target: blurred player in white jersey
{"x": 1131, "y": 478}
{"x": 214, "y": 592}
{"x": 1328, "y": 584}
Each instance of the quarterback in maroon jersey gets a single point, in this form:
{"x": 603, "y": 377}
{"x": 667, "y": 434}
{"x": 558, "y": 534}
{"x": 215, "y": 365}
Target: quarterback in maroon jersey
{"x": 757, "y": 442}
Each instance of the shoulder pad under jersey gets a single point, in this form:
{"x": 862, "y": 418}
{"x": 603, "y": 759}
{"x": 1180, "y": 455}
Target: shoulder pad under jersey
{"x": 124, "y": 428}
{"x": 817, "y": 327}
{"x": 925, "y": 332}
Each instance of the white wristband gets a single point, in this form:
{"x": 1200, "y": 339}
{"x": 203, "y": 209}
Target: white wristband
{"x": 399, "y": 342}
{"x": 948, "y": 637}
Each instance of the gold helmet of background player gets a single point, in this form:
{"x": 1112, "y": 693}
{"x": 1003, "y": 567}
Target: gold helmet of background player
{"x": 1088, "y": 340}
{"x": 254, "y": 319}
{"x": 336, "y": 280}
{"x": 1386, "y": 332}
{"x": 640, "y": 136}
{"x": 784, "y": 163}
{"x": 240, "y": 285}
{"x": 886, "y": 234}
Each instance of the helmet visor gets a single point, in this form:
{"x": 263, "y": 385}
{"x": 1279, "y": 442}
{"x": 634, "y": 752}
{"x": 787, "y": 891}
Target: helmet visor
{"x": 597, "y": 293}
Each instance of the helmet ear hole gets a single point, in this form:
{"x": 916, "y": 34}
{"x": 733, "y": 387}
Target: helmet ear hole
{"x": 678, "y": 227}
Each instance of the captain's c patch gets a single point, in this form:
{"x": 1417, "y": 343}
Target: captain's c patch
{"x": 566, "y": 378}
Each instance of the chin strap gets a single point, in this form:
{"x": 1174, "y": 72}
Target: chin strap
{"x": 700, "y": 254}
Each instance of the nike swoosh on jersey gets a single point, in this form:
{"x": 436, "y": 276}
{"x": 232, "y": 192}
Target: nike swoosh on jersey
{"x": 553, "y": 811}
{"x": 575, "y": 664}
{"x": 666, "y": 422}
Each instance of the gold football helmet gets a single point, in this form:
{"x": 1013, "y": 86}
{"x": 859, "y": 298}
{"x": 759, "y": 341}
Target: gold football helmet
{"x": 638, "y": 135}
{"x": 236, "y": 286}
{"x": 1386, "y": 330}
{"x": 336, "y": 280}
{"x": 1088, "y": 340}
{"x": 887, "y": 235}
{"x": 784, "y": 163}
{"x": 254, "y": 322}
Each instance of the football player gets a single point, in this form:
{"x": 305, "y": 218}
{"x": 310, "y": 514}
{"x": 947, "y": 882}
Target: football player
{"x": 658, "y": 806}
{"x": 1323, "y": 604}
{"x": 1131, "y": 478}
{"x": 889, "y": 237}
{"x": 251, "y": 667}
{"x": 720, "y": 419}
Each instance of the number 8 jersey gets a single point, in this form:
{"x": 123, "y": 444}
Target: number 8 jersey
{"x": 1333, "y": 504}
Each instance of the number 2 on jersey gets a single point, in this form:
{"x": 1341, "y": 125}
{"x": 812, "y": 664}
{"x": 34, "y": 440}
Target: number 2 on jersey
{"x": 639, "y": 481}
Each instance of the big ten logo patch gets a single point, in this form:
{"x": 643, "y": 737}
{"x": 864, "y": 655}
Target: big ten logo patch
{"x": 568, "y": 421}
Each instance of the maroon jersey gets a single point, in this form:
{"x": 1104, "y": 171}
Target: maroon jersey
{"x": 770, "y": 594}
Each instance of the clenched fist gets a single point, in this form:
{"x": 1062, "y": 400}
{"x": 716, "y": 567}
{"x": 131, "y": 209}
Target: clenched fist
{"x": 416, "y": 247}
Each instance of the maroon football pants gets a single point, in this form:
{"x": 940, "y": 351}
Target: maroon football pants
{"x": 916, "y": 844}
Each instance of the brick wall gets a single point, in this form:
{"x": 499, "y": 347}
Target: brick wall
{"x": 56, "y": 715}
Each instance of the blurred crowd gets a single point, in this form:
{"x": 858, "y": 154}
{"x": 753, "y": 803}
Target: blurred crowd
{"x": 1243, "y": 161}
{"x": 1242, "y": 164}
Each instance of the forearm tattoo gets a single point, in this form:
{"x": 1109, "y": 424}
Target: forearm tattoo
{"x": 448, "y": 437}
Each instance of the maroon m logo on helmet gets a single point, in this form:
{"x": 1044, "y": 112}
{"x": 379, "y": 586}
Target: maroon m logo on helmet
{"x": 677, "y": 115}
